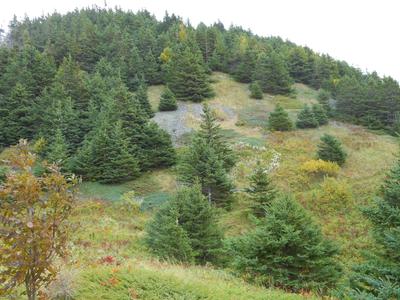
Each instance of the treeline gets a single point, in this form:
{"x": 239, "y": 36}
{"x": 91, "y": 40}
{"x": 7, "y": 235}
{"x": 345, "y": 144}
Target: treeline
{"x": 84, "y": 51}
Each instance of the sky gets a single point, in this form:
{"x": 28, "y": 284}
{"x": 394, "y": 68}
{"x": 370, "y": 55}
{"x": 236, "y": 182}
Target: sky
{"x": 365, "y": 33}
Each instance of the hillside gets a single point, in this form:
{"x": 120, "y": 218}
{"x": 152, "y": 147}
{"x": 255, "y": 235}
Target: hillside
{"x": 150, "y": 159}
{"x": 118, "y": 235}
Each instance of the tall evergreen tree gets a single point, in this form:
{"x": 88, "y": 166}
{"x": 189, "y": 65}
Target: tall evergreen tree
{"x": 261, "y": 191}
{"x": 255, "y": 90}
{"x": 58, "y": 150}
{"x": 167, "y": 101}
{"x": 279, "y": 120}
{"x": 378, "y": 277}
{"x": 105, "y": 157}
{"x": 298, "y": 64}
{"x": 320, "y": 114}
{"x": 287, "y": 249}
{"x": 306, "y": 118}
{"x": 272, "y": 74}
{"x": 330, "y": 149}
{"x": 19, "y": 119}
{"x": 141, "y": 95}
{"x": 192, "y": 219}
{"x": 244, "y": 70}
{"x": 208, "y": 160}
{"x": 186, "y": 75}
{"x": 323, "y": 99}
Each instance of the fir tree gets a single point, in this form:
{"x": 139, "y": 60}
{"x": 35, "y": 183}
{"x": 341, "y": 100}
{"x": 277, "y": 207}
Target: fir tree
{"x": 330, "y": 149}
{"x": 105, "y": 157}
{"x": 255, "y": 90}
{"x": 19, "y": 119}
{"x": 166, "y": 238}
{"x": 58, "y": 150}
{"x": 167, "y": 101}
{"x": 261, "y": 191}
{"x": 191, "y": 218}
{"x": 186, "y": 75}
{"x": 279, "y": 120}
{"x": 244, "y": 70}
{"x": 272, "y": 74}
{"x": 156, "y": 146}
{"x": 287, "y": 249}
{"x": 320, "y": 114}
{"x": 378, "y": 277}
{"x": 208, "y": 160}
{"x": 141, "y": 95}
{"x": 323, "y": 99}
{"x": 306, "y": 118}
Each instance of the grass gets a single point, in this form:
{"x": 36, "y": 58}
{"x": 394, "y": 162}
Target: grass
{"x": 106, "y": 227}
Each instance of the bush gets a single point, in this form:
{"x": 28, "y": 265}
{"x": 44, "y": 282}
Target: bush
{"x": 255, "y": 90}
{"x": 320, "y": 167}
{"x": 279, "y": 120}
{"x": 167, "y": 101}
{"x": 320, "y": 114}
{"x": 334, "y": 195}
{"x": 128, "y": 203}
{"x": 3, "y": 174}
{"x": 330, "y": 149}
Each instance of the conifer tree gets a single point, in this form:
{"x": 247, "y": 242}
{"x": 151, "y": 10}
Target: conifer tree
{"x": 320, "y": 114}
{"x": 186, "y": 75}
{"x": 261, "y": 191}
{"x": 105, "y": 157}
{"x": 141, "y": 96}
{"x": 306, "y": 118}
{"x": 208, "y": 160}
{"x": 272, "y": 74}
{"x": 378, "y": 277}
{"x": 191, "y": 217}
{"x": 244, "y": 70}
{"x": 58, "y": 150}
{"x": 19, "y": 119}
{"x": 255, "y": 90}
{"x": 323, "y": 99}
{"x": 279, "y": 120}
{"x": 166, "y": 238}
{"x": 330, "y": 149}
{"x": 167, "y": 101}
{"x": 156, "y": 146}
{"x": 287, "y": 249}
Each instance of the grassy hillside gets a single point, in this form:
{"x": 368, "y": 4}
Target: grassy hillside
{"x": 109, "y": 260}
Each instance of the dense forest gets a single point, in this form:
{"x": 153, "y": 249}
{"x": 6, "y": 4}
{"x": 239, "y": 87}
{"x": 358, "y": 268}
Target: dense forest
{"x": 76, "y": 87}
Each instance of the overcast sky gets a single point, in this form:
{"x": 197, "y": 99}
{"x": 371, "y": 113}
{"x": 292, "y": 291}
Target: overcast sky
{"x": 365, "y": 33}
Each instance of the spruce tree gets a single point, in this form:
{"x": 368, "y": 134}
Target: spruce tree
{"x": 167, "y": 101}
{"x": 261, "y": 191}
{"x": 190, "y": 220}
{"x": 378, "y": 277}
{"x": 19, "y": 119}
{"x": 330, "y": 149}
{"x": 244, "y": 70}
{"x": 105, "y": 156}
{"x": 287, "y": 249}
{"x": 156, "y": 146}
{"x": 306, "y": 118}
{"x": 141, "y": 96}
{"x": 323, "y": 99}
{"x": 186, "y": 75}
{"x": 320, "y": 114}
{"x": 272, "y": 74}
{"x": 166, "y": 238}
{"x": 208, "y": 160}
{"x": 279, "y": 120}
{"x": 255, "y": 90}
{"x": 58, "y": 150}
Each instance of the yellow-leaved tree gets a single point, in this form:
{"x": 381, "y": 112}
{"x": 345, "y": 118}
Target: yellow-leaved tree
{"x": 34, "y": 227}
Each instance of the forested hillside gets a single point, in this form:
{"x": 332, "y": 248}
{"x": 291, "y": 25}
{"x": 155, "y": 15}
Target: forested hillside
{"x": 268, "y": 186}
